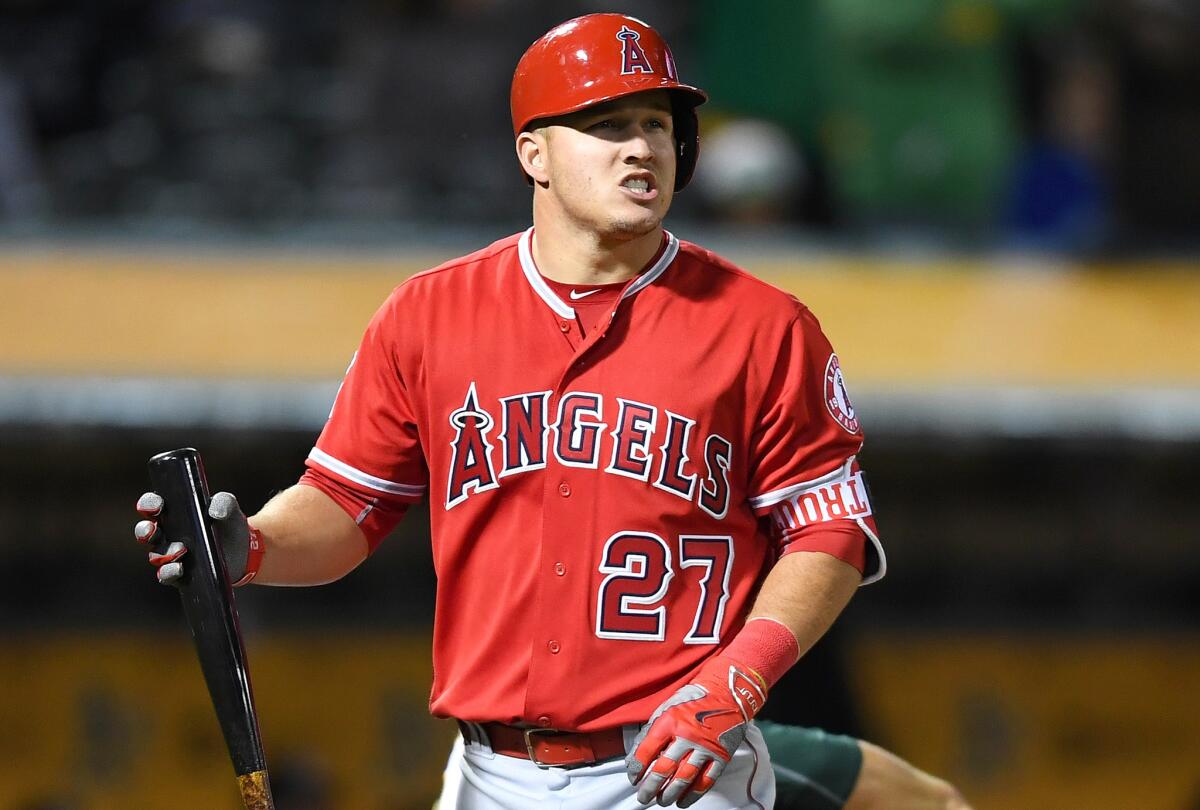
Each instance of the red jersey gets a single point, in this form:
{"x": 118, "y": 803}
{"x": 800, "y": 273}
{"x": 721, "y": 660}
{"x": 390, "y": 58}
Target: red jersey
{"x": 604, "y": 504}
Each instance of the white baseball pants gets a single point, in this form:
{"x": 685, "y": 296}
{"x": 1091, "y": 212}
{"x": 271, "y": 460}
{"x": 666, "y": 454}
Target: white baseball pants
{"x": 478, "y": 779}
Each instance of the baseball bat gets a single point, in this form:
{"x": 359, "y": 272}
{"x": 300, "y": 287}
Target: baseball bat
{"x": 178, "y": 476}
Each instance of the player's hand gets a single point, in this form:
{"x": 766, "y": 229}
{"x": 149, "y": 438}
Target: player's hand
{"x": 240, "y": 543}
{"x": 691, "y": 737}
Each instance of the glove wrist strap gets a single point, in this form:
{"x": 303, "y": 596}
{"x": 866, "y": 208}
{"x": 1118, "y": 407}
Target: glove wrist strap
{"x": 766, "y": 647}
{"x": 254, "y": 557}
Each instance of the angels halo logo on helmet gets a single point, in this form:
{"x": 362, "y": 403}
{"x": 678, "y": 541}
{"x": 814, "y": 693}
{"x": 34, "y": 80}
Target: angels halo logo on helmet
{"x": 633, "y": 58}
{"x": 600, "y": 57}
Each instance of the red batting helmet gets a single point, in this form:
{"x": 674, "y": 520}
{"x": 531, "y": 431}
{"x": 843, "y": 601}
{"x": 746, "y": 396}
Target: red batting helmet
{"x": 597, "y": 58}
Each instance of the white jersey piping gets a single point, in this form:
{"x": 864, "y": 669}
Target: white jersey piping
{"x": 879, "y": 574}
{"x": 561, "y": 307}
{"x": 525, "y": 251}
{"x": 660, "y": 266}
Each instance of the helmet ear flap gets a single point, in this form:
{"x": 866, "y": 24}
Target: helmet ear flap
{"x": 687, "y": 139}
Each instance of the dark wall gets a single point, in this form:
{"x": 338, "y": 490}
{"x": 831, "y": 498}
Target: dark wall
{"x": 1090, "y": 536}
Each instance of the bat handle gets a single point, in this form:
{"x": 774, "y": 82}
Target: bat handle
{"x": 208, "y": 605}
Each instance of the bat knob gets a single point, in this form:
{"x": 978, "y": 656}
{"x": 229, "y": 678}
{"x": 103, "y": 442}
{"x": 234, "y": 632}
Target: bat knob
{"x": 256, "y": 791}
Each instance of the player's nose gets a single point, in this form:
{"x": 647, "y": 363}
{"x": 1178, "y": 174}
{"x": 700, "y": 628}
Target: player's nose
{"x": 637, "y": 148}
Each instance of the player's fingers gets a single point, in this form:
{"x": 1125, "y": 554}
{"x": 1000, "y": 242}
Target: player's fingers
{"x": 713, "y": 771}
{"x": 660, "y": 771}
{"x": 145, "y": 530}
{"x": 172, "y": 553}
{"x": 150, "y": 504}
{"x": 685, "y": 774}
{"x": 224, "y": 506}
{"x": 648, "y": 744}
{"x": 702, "y": 784}
{"x": 170, "y": 572}
{"x": 663, "y": 769}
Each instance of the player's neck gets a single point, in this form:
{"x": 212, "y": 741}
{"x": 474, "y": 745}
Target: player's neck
{"x": 580, "y": 257}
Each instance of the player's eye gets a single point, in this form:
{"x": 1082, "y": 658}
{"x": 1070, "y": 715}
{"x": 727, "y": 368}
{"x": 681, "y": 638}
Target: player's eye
{"x": 659, "y": 123}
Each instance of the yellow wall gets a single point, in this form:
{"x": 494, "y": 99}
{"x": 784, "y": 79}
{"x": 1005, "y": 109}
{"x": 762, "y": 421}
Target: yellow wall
{"x": 1043, "y": 723}
{"x": 276, "y": 316}
{"x": 124, "y": 722}
{"x": 355, "y": 707}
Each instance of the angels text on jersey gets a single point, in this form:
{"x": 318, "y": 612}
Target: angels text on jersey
{"x": 644, "y": 442}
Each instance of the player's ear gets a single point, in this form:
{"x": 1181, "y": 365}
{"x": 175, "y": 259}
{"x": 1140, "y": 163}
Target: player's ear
{"x": 531, "y": 151}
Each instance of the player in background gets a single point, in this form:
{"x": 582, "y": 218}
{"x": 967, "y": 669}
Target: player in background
{"x": 641, "y": 463}
{"x": 815, "y": 770}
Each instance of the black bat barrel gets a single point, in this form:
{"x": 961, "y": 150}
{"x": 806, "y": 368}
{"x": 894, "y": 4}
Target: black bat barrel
{"x": 178, "y": 476}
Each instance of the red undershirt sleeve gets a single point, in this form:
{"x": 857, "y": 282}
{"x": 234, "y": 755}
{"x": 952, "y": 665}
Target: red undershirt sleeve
{"x": 376, "y": 517}
{"x": 842, "y": 539}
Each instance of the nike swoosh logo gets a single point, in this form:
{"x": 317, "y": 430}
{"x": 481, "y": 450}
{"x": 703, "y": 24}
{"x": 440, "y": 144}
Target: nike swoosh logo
{"x": 575, "y": 296}
{"x": 702, "y": 716}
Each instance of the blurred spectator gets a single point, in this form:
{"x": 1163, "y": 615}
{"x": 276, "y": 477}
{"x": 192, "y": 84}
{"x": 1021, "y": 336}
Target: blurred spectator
{"x": 910, "y": 104}
{"x": 1061, "y": 197}
{"x": 922, "y": 123}
{"x": 751, "y": 173}
{"x": 763, "y": 62}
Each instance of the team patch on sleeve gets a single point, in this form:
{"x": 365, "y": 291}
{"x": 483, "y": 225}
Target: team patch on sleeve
{"x": 837, "y": 398}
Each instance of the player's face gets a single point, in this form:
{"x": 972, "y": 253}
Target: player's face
{"x": 611, "y": 168}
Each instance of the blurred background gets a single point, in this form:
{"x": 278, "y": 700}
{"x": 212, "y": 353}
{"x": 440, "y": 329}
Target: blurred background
{"x": 992, "y": 205}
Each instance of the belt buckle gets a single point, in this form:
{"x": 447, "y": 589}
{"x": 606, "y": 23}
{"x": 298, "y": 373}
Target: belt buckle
{"x": 529, "y": 732}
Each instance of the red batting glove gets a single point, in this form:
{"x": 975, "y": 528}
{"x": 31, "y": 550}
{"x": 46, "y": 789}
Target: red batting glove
{"x": 691, "y": 737}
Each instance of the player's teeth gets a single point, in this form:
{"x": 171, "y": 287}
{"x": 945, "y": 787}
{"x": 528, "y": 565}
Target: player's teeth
{"x": 637, "y": 185}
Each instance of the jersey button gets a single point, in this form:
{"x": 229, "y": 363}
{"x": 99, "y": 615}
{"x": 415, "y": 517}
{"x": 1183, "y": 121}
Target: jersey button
{"x": 554, "y": 647}
{"x": 560, "y": 569}
{"x": 565, "y": 326}
{"x": 544, "y": 721}
{"x": 564, "y": 489}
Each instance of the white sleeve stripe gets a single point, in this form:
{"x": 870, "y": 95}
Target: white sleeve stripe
{"x": 365, "y": 479}
{"x": 780, "y": 495}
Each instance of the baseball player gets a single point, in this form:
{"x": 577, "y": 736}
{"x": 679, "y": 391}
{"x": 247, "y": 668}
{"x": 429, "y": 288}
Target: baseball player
{"x": 640, "y": 462}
